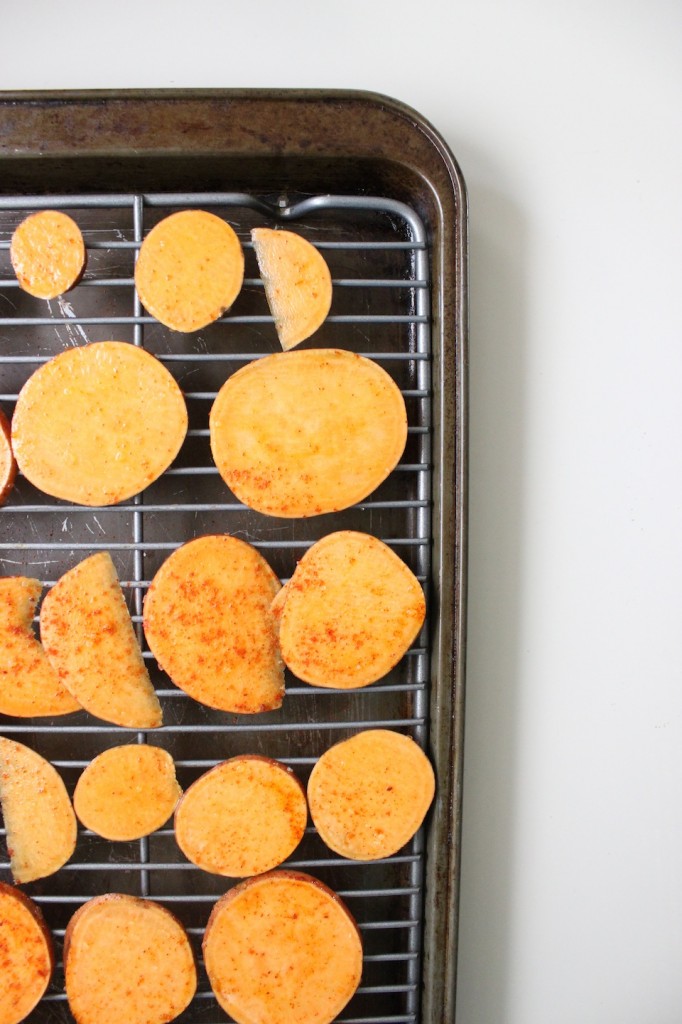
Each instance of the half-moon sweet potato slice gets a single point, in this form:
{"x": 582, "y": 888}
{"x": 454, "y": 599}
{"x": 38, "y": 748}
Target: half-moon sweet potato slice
{"x": 282, "y": 947}
{"x": 243, "y": 817}
{"x": 190, "y": 269}
{"x": 29, "y": 685}
{"x": 127, "y": 960}
{"x": 26, "y": 955}
{"x": 47, "y": 254}
{"x": 352, "y": 610}
{"x": 368, "y": 795}
{"x": 208, "y": 623}
{"x": 89, "y": 638}
{"x": 298, "y": 285}
{"x": 98, "y": 424}
{"x": 39, "y": 818}
{"x": 8, "y": 464}
{"x": 301, "y": 433}
{"x": 127, "y": 792}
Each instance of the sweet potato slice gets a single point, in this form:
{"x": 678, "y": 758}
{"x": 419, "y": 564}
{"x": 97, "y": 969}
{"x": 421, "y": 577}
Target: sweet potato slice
{"x": 352, "y": 609}
{"x": 298, "y": 285}
{"x": 39, "y": 818}
{"x": 8, "y": 464}
{"x": 89, "y": 638}
{"x": 47, "y": 254}
{"x": 300, "y": 433}
{"x": 127, "y": 960}
{"x": 99, "y": 423}
{"x": 190, "y": 269}
{"x": 282, "y": 947}
{"x": 127, "y": 792}
{"x": 29, "y": 685}
{"x": 26, "y": 955}
{"x": 208, "y": 623}
{"x": 369, "y": 795}
{"x": 243, "y": 817}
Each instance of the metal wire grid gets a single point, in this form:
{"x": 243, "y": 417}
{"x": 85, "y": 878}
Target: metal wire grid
{"x": 378, "y": 253}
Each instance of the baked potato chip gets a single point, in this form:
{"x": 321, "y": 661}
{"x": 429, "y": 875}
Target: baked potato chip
{"x": 189, "y": 270}
{"x": 27, "y": 955}
{"x": 243, "y": 817}
{"x": 282, "y": 947}
{"x": 39, "y": 818}
{"x": 298, "y": 285}
{"x": 368, "y": 795}
{"x": 208, "y": 623}
{"x": 29, "y": 685}
{"x": 89, "y": 638}
{"x": 98, "y": 424}
{"x": 127, "y": 792}
{"x": 47, "y": 253}
{"x": 352, "y": 610}
{"x": 297, "y": 434}
{"x": 127, "y": 959}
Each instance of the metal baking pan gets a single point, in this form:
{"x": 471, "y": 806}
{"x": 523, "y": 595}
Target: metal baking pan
{"x": 376, "y": 188}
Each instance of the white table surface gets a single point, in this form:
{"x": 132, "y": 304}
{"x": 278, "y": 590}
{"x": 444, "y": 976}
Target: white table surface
{"x": 565, "y": 118}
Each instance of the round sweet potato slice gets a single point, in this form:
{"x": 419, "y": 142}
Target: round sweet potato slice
{"x": 352, "y": 610}
{"x": 127, "y": 792}
{"x": 47, "y": 254}
{"x": 39, "y": 818}
{"x": 127, "y": 959}
{"x": 26, "y": 955}
{"x": 298, "y": 285}
{"x": 301, "y": 433}
{"x": 29, "y": 685}
{"x": 243, "y": 817}
{"x": 190, "y": 269}
{"x": 282, "y": 947}
{"x": 99, "y": 423}
{"x": 8, "y": 464}
{"x": 208, "y": 623}
{"x": 369, "y": 795}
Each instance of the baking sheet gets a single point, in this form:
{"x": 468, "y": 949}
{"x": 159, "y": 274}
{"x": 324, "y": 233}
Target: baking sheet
{"x": 380, "y": 254}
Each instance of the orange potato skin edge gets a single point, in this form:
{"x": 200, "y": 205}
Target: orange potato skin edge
{"x": 7, "y": 483}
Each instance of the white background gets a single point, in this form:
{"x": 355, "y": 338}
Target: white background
{"x": 565, "y": 118}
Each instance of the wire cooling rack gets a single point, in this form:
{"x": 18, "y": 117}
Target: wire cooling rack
{"x": 379, "y": 258}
